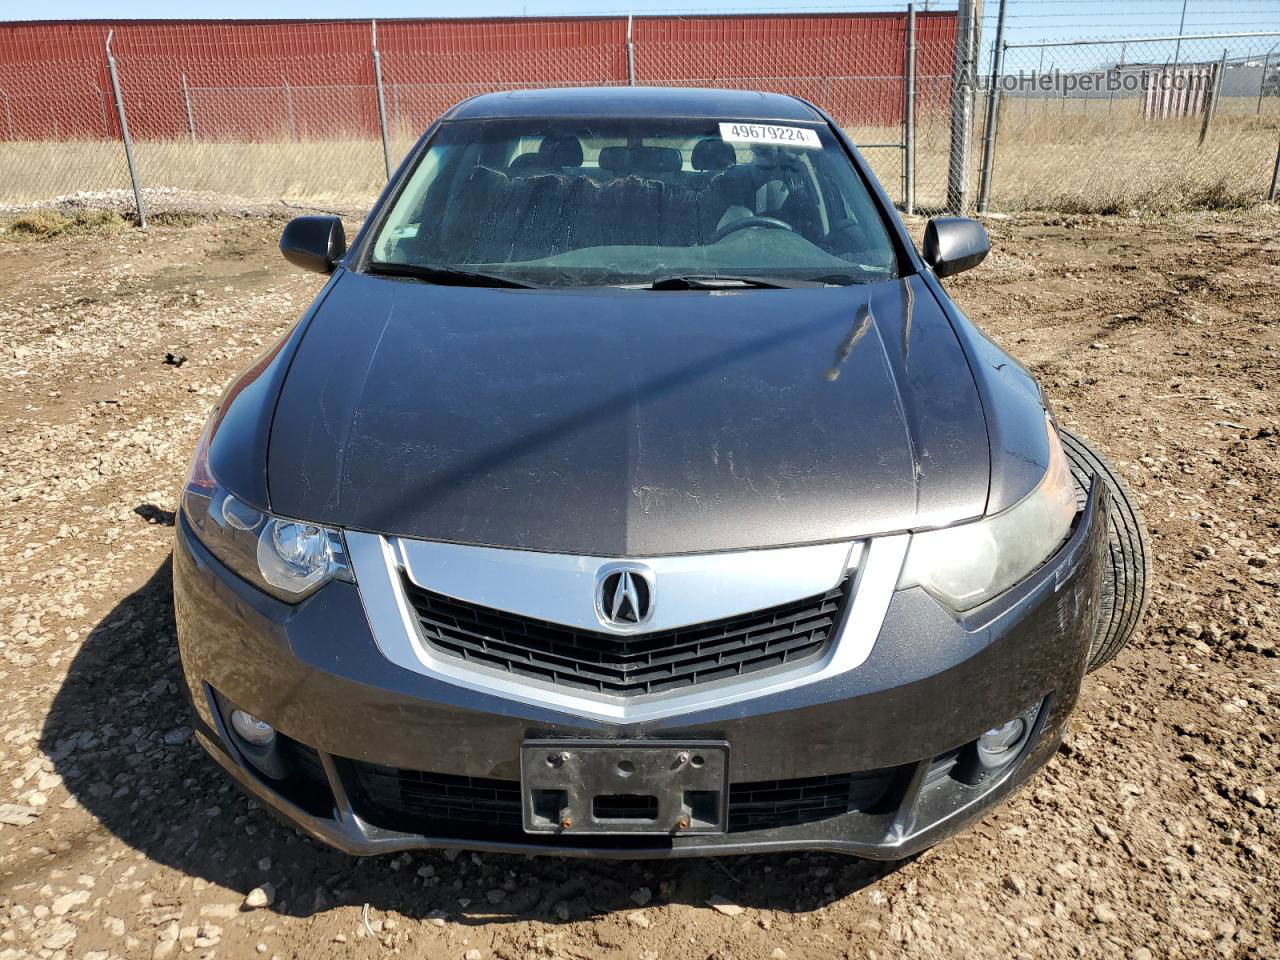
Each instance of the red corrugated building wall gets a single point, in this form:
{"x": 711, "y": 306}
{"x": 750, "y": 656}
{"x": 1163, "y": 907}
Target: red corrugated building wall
{"x": 264, "y": 80}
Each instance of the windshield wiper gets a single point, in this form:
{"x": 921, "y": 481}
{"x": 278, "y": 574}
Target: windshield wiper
{"x": 446, "y": 276}
{"x": 848, "y": 279}
{"x": 718, "y": 281}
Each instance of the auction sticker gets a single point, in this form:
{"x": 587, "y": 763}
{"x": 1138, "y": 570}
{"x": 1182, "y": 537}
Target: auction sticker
{"x": 770, "y": 134}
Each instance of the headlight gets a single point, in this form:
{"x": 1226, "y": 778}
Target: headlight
{"x": 287, "y": 558}
{"x": 968, "y": 564}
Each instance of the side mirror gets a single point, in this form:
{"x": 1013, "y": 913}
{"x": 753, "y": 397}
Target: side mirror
{"x": 955, "y": 244}
{"x": 314, "y": 243}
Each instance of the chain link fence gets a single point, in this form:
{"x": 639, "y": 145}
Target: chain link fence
{"x": 227, "y": 115}
{"x": 1160, "y": 123}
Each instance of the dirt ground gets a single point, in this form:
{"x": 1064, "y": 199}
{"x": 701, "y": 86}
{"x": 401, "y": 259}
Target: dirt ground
{"x": 1153, "y": 833}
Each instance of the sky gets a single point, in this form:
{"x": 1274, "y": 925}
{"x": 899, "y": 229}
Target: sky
{"x": 1028, "y": 20}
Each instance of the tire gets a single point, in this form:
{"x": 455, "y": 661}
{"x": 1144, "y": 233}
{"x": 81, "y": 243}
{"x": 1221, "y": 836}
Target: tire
{"x": 1126, "y": 574}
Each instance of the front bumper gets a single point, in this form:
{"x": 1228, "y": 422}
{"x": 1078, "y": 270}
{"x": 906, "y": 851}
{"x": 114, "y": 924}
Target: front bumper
{"x": 893, "y": 728}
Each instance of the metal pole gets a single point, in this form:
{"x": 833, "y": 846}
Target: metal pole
{"x": 1262, "y": 84}
{"x": 1181, "y": 23}
{"x": 124, "y": 133}
{"x": 1211, "y": 104}
{"x": 191, "y": 121}
{"x": 382, "y": 100}
{"x": 8, "y": 115}
{"x": 1111, "y": 94}
{"x": 909, "y": 119}
{"x": 961, "y": 107}
{"x": 1039, "y": 74}
{"x": 288, "y": 111}
{"x": 1275, "y": 177}
{"x": 993, "y": 108}
{"x": 631, "y": 54}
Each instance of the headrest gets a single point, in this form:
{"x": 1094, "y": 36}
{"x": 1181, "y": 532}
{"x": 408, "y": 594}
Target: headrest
{"x": 561, "y": 151}
{"x": 656, "y": 159}
{"x": 713, "y": 154}
{"x": 525, "y": 165}
{"x": 641, "y": 159}
{"x": 614, "y": 159}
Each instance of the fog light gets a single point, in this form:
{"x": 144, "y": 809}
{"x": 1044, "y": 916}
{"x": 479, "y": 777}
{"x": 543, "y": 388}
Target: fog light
{"x": 1001, "y": 740}
{"x": 251, "y": 730}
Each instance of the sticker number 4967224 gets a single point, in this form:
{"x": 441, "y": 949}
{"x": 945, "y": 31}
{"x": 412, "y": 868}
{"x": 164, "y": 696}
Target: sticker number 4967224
{"x": 768, "y": 133}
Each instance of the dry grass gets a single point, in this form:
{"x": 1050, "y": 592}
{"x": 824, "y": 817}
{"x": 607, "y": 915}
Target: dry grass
{"x": 318, "y": 172}
{"x": 1088, "y": 157}
{"x": 1101, "y": 164}
{"x": 45, "y": 224}
{"x": 1075, "y": 156}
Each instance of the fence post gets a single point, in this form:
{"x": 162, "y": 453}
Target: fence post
{"x": 124, "y": 133}
{"x": 909, "y": 119}
{"x": 993, "y": 113}
{"x": 1119, "y": 75}
{"x": 1262, "y": 84}
{"x": 1182, "y": 24}
{"x": 631, "y": 54}
{"x": 191, "y": 120}
{"x": 962, "y": 91}
{"x": 288, "y": 112}
{"x": 1211, "y": 102}
{"x": 382, "y": 100}
{"x": 1275, "y": 177}
{"x": 8, "y": 114}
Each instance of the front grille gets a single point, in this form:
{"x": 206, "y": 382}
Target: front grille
{"x": 787, "y": 635}
{"x": 786, "y": 803}
{"x": 446, "y": 805}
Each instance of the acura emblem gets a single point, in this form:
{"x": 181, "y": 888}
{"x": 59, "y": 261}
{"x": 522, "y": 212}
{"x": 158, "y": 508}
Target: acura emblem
{"x": 624, "y": 595}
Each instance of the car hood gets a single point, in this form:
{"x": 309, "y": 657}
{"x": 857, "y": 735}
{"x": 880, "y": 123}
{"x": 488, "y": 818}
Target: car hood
{"x": 625, "y": 422}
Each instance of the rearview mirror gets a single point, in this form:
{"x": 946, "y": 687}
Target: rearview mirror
{"x": 955, "y": 244}
{"x": 314, "y": 243}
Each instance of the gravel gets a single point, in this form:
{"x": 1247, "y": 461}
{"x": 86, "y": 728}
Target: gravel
{"x": 1151, "y": 834}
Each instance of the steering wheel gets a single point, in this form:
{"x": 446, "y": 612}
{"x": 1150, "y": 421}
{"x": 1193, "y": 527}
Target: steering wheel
{"x": 771, "y": 223}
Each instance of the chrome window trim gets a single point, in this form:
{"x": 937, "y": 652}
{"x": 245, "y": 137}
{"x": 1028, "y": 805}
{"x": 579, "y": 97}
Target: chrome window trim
{"x": 377, "y": 562}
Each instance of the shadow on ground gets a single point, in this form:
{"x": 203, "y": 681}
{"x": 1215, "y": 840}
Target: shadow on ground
{"x": 119, "y": 735}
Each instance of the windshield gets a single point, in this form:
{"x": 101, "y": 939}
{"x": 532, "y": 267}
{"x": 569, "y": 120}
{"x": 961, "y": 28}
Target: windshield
{"x": 591, "y": 202}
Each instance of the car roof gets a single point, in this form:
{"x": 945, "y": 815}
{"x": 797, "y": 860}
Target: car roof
{"x": 635, "y": 102}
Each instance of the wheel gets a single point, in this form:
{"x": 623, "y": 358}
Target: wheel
{"x": 1125, "y": 575}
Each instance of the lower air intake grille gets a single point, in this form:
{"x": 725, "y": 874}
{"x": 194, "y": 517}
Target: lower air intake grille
{"x": 785, "y": 803}
{"x": 444, "y": 805}
{"x": 786, "y": 635}
{"x": 417, "y": 795}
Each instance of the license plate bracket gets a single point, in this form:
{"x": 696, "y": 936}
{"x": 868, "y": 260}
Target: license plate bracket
{"x": 667, "y": 787}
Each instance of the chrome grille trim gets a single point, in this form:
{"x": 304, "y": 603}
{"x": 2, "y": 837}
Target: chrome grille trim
{"x": 715, "y": 651}
{"x": 873, "y": 564}
{"x": 561, "y": 588}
